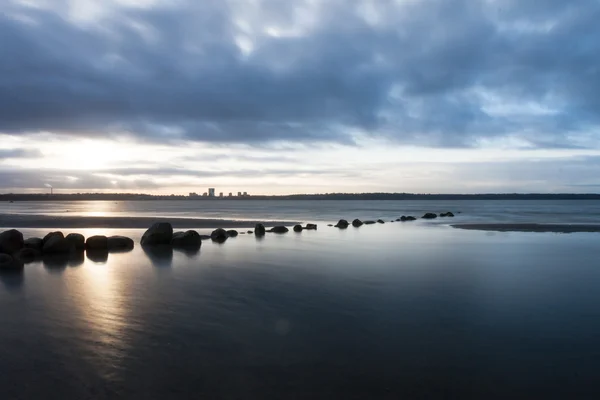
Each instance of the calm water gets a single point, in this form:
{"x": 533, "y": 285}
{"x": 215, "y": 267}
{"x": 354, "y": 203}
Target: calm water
{"x": 381, "y": 312}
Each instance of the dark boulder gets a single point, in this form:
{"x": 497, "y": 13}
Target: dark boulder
{"x": 311, "y": 227}
{"x": 55, "y": 242}
{"x": 77, "y": 240}
{"x": 159, "y": 233}
{"x": 97, "y": 242}
{"x": 232, "y": 233}
{"x": 249, "y": 232}
{"x": 342, "y": 224}
{"x": 219, "y": 235}
{"x": 204, "y": 237}
{"x": 11, "y": 241}
{"x": 329, "y": 224}
{"x": 429, "y": 216}
{"x": 116, "y": 243}
{"x": 259, "y": 230}
{"x": 298, "y": 228}
{"x": 186, "y": 239}
{"x": 356, "y": 223}
{"x": 380, "y": 221}
{"x": 34, "y": 243}
{"x": 279, "y": 229}
{"x": 9, "y": 263}
{"x": 369, "y": 222}
{"x": 447, "y": 214}
{"x": 27, "y": 255}
{"x": 409, "y": 218}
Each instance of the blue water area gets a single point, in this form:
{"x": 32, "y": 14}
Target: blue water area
{"x": 380, "y": 312}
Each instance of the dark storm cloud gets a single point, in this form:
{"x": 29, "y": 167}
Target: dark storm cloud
{"x": 417, "y": 72}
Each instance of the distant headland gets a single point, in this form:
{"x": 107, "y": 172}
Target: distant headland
{"x": 326, "y": 196}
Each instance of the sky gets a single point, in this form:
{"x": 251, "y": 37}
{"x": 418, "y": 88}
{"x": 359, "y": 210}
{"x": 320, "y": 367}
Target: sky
{"x": 300, "y": 96}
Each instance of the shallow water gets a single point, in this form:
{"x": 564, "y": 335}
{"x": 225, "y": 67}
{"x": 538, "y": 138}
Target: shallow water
{"x": 383, "y": 311}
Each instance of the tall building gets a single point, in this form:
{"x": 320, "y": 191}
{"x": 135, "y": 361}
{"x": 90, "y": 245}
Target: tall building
{"x": 221, "y": 194}
{"x": 239, "y": 194}
{"x": 245, "y": 193}
{"x": 211, "y": 192}
{"x": 230, "y": 194}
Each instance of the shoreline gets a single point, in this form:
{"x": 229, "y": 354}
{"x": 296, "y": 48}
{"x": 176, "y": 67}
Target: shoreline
{"x": 529, "y": 227}
{"x": 83, "y": 222}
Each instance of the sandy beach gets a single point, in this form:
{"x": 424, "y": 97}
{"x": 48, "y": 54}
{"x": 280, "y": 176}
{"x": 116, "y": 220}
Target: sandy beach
{"x": 521, "y": 227}
{"x": 48, "y": 221}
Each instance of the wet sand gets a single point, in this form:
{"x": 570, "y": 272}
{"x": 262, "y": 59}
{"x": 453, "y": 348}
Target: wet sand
{"x": 47, "y": 221}
{"x": 520, "y": 227}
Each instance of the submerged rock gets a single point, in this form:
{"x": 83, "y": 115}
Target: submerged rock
{"x": 119, "y": 243}
{"x": 447, "y": 214}
{"x": 11, "y": 241}
{"x": 219, "y": 235}
{"x": 249, "y": 232}
{"x": 7, "y": 262}
{"x": 357, "y": 223}
{"x": 369, "y": 222}
{"x": 204, "y": 237}
{"x": 380, "y": 221}
{"x": 77, "y": 240}
{"x": 55, "y": 242}
{"x": 342, "y": 224}
{"x": 97, "y": 242}
{"x": 34, "y": 243}
{"x": 329, "y": 224}
{"x": 188, "y": 238}
{"x": 232, "y": 233}
{"x": 311, "y": 227}
{"x": 429, "y": 216}
{"x": 259, "y": 230}
{"x": 279, "y": 229}
{"x": 159, "y": 233}
{"x": 298, "y": 228}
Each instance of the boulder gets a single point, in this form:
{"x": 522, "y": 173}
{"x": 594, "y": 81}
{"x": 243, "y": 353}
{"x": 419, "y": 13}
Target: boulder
{"x": 369, "y": 222}
{"x": 357, "y": 223}
{"x": 34, "y": 243}
{"x": 342, "y": 224}
{"x": 159, "y": 233}
{"x": 259, "y": 230}
{"x": 329, "y": 224}
{"x": 7, "y": 262}
{"x": 380, "y": 221}
{"x": 250, "y": 232}
{"x": 55, "y": 242}
{"x": 447, "y": 214}
{"x": 429, "y": 216}
{"x": 27, "y": 255}
{"x": 232, "y": 233}
{"x": 186, "y": 239}
{"x": 219, "y": 235}
{"x": 279, "y": 229}
{"x": 119, "y": 243}
{"x": 298, "y": 228}
{"x": 11, "y": 241}
{"x": 97, "y": 242}
{"x": 408, "y": 218}
{"x": 204, "y": 237}
{"x": 311, "y": 227}
{"x": 77, "y": 240}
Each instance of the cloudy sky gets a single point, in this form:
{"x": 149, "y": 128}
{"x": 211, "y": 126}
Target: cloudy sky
{"x": 300, "y": 96}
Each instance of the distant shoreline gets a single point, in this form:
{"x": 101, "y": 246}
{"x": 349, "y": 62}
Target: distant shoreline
{"x": 331, "y": 196}
{"x": 83, "y": 222}
{"x": 524, "y": 227}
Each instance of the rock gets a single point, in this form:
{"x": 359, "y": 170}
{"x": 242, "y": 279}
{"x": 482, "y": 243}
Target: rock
{"x": 311, "y": 227}
{"x": 357, "y": 223}
{"x": 429, "y": 216}
{"x": 34, "y": 243}
{"x": 447, "y": 214}
{"x": 219, "y": 235}
{"x": 159, "y": 233}
{"x": 380, "y": 221}
{"x": 27, "y": 255}
{"x": 186, "y": 239}
{"x": 77, "y": 240}
{"x": 232, "y": 233}
{"x": 279, "y": 229}
{"x": 55, "y": 242}
{"x": 242, "y": 233}
{"x": 342, "y": 224}
{"x": 116, "y": 243}
{"x": 97, "y": 242}
{"x": 250, "y": 232}
{"x": 329, "y": 224}
{"x": 11, "y": 241}
{"x": 259, "y": 230}
{"x": 409, "y": 218}
{"x": 369, "y": 222}
{"x": 7, "y": 262}
{"x": 298, "y": 228}
{"x": 204, "y": 237}
{"x": 51, "y": 235}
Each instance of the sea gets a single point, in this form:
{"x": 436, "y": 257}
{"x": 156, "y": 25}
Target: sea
{"x": 414, "y": 310}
